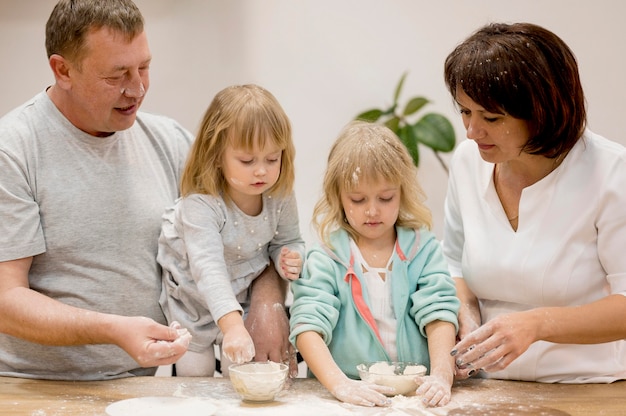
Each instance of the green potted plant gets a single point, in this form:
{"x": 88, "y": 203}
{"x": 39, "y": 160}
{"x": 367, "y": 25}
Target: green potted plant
{"x": 432, "y": 130}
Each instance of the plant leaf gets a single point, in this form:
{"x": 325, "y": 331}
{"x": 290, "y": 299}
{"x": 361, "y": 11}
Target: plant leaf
{"x": 435, "y": 131}
{"x": 394, "y": 125}
{"x": 396, "y": 94}
{"x": 407, "y": 137}
{"x": 414, "y": 105}
{"x": 370, "y": 115}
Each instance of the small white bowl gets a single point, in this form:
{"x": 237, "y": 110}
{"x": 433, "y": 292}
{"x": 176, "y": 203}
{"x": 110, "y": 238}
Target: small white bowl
{"x": 399, "y": 375}
{"x": 258, "y": 381}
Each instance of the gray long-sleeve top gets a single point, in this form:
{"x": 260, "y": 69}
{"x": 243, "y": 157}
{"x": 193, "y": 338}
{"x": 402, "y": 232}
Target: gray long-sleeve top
{"x": 211, "y": 252}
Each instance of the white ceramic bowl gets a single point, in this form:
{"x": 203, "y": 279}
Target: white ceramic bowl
{"x": 399, "y": 375}
{"x": 258, "y": 381}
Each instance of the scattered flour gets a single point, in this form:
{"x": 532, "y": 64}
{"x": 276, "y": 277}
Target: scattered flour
{"x": 161, "y": 406}
{"x": 302, "y": 399}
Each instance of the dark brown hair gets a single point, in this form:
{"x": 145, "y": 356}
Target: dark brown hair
{"x": 71, "y": 20}
{"x": 525, "y": 71}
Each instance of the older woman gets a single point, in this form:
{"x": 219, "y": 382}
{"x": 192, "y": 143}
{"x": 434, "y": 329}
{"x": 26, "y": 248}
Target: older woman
{"x": 535, "y": 216}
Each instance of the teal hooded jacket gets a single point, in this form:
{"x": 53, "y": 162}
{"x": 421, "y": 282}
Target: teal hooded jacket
{"x": 422, "y": 292}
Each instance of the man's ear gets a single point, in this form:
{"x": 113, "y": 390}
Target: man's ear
{"x": 61, "y": 69}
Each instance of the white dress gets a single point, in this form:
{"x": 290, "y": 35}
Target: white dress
{"x": 569, "y": 249}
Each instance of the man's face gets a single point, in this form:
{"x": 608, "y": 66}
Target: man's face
{"x": 108, "y": 86}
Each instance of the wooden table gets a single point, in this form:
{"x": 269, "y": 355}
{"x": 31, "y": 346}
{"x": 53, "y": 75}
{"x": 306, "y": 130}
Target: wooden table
{"x": 307, "y": 397}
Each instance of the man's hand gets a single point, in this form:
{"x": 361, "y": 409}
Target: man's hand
{"x": 267, "y": 320}
{"x": 151, "y": 344}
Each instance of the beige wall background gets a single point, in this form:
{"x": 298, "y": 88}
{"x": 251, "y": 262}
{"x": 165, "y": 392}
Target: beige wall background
{"x": 326, "y": 60}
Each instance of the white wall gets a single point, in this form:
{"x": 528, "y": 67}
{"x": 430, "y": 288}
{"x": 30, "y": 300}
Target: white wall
{"x": 326, "y": 60}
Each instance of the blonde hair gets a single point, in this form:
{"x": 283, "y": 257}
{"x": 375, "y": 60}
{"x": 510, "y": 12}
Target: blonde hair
{"x": 371, "y": 152}
{"x": 241, "y": 116}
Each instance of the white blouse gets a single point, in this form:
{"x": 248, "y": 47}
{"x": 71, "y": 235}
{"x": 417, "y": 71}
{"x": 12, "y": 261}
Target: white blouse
{"x": 569, "y": 249}
{"x": 378, "y": 284}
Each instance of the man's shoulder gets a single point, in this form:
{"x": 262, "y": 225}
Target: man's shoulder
{"x": 149, "y": 117}
{"x": 160, "y": 123}
{"x": 18, "y": 115}
{"x": 163, "y": 130}
{"x": 21, "y": 127}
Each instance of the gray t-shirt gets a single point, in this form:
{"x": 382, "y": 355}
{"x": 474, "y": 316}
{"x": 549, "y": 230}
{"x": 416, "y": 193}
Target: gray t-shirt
{"x": 211, "y": 252}
{"x": 88, "y": 209}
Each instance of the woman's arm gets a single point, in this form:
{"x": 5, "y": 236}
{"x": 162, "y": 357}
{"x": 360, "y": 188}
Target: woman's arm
{"x": 496, "y": 344}
{"x": 469, "y": 310}
{"x": 594, "y": 323}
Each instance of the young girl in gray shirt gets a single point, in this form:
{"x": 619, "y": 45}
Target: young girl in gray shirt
{"x": 236, "y": 216}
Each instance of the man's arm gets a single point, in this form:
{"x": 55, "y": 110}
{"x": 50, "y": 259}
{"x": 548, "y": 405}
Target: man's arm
{"x": 34, "y": 317}
{"x": 267, "y": 320}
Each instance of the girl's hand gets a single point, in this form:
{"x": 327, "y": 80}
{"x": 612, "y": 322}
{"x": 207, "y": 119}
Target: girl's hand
{"x": 434, "y": 390}
{"x": 290, "y": 264}
{"x": 237, "y": 345}
{"x": 362, "y": 393}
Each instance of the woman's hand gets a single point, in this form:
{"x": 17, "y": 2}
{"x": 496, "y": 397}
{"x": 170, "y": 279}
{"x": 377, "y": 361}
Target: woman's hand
{"x": 493, "y": 346}
{"x": 467, "y": 325}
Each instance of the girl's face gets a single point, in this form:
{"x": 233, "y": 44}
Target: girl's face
{"x": 372, "y": 209}
{"x": 499, "y": 137}
{"x": 250, "y": 173}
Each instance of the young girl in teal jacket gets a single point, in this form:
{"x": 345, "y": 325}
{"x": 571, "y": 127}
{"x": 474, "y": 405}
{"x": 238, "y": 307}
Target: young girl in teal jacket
{"x": 376, "y": 288}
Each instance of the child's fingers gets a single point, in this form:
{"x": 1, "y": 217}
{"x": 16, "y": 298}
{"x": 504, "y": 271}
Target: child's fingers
{"x": 289, "y": 254}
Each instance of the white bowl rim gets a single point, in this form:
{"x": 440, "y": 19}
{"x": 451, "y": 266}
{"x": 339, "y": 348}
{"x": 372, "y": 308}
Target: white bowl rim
{"x": 282, "y": 367}
{"x": 364, "y": 367}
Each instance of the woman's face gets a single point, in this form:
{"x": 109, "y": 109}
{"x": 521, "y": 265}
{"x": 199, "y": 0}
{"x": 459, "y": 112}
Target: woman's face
{"x": 500, "y": 137}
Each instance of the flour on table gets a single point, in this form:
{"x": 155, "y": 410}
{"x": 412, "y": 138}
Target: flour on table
{"x": 161, "y": 406}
